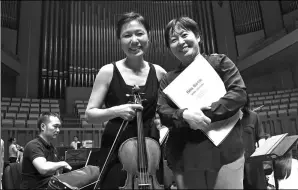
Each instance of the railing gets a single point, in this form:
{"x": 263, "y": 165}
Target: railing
{"x": 10, "y": 11}
{"x": 246, "y": 16}
{"x": 288, "y": 6}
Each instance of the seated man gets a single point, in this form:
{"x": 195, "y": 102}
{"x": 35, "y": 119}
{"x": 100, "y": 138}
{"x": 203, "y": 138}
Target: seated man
{"x": 40, "y": 161}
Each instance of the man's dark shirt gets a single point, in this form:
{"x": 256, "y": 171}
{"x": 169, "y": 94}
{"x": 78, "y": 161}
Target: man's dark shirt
{"x": 235, "y": 98}
{"x": 31, "y": 178}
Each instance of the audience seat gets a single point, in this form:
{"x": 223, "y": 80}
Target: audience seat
{"x": 20, "y": 123}
{"x": 268, "y": 102}
{"x": 42, "y": 110}
{"x": 26, "y": 100}
{"x": 85, "y": 124}
{"x": 6, "y": 99}
{"x": 44, "y": 105}
{"x": 270, "y": 97}
{"x": 44, "y": 101}
{"x": 80, "y": 106}
{"x": 280, "y": 92}
{"x": 283, "y": 106}
{"x": 7, "y": 123}
{"x": 22, "y": 116}
{"x": 286, "y": 95}
{"x": 24, "y": 110}
{"x": 272, "y": 114}
{"x": 259, "y": 103}
{"x": 81, "y": 111}
{"x": 15, "y": 99}
{"x": 292, "y": 112}
{"x": 32, "y": 123}
{"x": 34, "y": 110}
{"x": 33, "y": 116}
{"x": 55, "y": 110}
{"x": 264, "y": 93}
{"x": 266, "y": 108}
{"x": 25, "y": 104}
{"x": 4, "y": 109}
{"x": 5, "y": 103}
{"x": 276, "y": 101}
{"x": 9, "y": 115}
{"x": 253, "y": 99}
{"x": 294, "y": 99}
{"x": 54, "y": 105}
{"x": 293, "y": 105}
{"x": 274, "y": 107}
{"x": 78, "y": 102}
{"x": 82, "y": 117}
{"x": 284, "y": 100}
{"x": 34, "y": 100}
{"x": 282, "y": 113}
{"x": 15, "y": 104}
{"x": 35, "y": 105}
{"x": 52, "y": 101}
{"x": 13, "y": 109}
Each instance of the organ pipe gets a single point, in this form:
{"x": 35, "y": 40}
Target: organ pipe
{"x": 78, "y": 38}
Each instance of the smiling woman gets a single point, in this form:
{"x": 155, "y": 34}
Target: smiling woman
{"x": 196, "y": 162}
{"x": 114, "y": 81}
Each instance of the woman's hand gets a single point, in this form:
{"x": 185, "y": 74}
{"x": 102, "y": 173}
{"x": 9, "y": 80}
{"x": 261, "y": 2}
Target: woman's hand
{"x": 196, "y": 119}
{"x": 126, "y": 111}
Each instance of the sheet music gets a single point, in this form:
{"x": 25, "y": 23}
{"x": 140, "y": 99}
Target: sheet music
{"x": 269, "y": 145}
{"x": 163, "y": 134}
{"x": 198, "y": 86}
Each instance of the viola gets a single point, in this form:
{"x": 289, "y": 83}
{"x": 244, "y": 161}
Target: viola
{"x": 140, "y": 156}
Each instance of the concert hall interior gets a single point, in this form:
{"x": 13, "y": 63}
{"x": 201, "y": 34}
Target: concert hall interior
{"x": 52, "y": 51}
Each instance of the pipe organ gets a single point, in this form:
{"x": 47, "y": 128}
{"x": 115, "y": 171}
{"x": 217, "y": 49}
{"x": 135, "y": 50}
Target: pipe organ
{"x": 78, "y": 38}
{"x": 246, "y": 16}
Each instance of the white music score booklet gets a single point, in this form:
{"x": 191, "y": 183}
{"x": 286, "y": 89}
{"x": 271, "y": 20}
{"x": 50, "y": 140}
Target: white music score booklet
{"x": 199, "y": 86}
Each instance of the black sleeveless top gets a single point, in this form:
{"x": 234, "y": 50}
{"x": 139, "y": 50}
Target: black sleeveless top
{"x": 116, "y": 95}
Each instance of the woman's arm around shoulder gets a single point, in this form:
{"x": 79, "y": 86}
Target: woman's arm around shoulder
{"x": 160, "y": 72}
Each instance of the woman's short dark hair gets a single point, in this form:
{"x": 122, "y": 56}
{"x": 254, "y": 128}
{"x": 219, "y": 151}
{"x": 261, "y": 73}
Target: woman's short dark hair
{"x": 185, "y": 23}
{"x": 127, "y": 17}
{"x": 11, "y": 139}
{"x": 44, "y": 118}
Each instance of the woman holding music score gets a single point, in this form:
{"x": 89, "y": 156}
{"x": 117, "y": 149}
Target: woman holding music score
{"x": 195, "y": 160}
{"x": 114, "y": 81}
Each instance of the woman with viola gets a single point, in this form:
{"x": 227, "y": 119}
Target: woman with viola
{"x": 112, "y": 84}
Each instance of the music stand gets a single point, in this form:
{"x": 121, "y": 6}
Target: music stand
{"x": 280, "y": 150}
